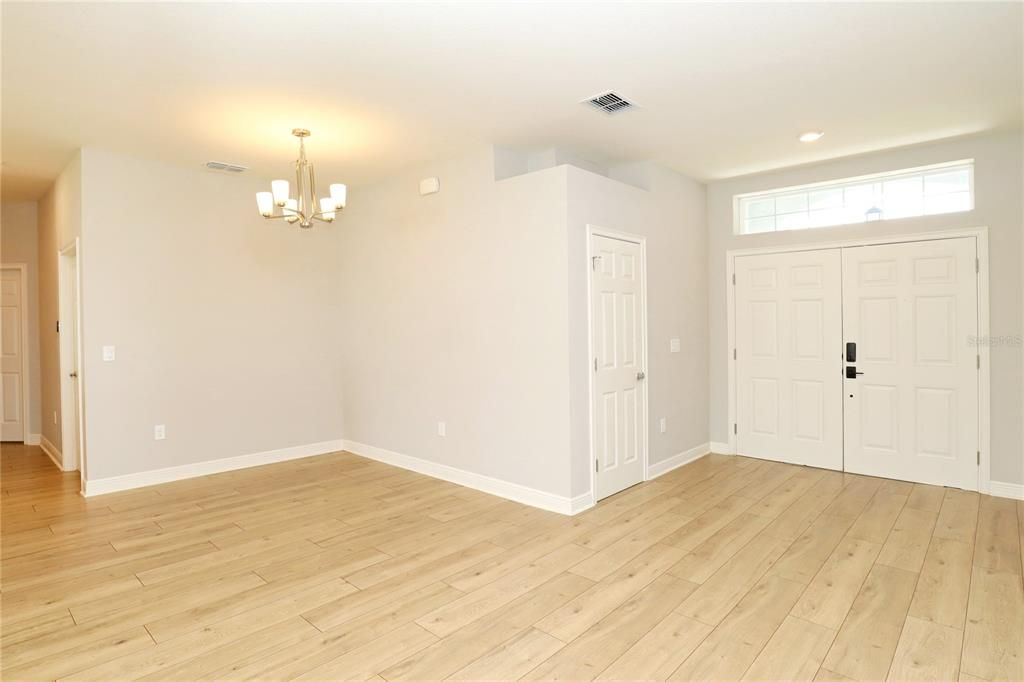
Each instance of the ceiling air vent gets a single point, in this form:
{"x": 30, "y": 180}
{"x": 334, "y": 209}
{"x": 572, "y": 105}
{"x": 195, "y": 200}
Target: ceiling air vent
{"x": 610, "y": 102}
{"x": 225, "y": 167}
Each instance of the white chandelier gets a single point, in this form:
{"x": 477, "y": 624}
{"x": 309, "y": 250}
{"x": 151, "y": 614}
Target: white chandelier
{"x": 303, "y": 208}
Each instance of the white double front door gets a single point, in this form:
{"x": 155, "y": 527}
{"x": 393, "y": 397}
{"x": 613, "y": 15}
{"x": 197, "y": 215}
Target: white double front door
{"x": 861, "y": 359}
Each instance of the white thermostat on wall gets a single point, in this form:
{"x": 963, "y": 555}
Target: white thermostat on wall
{"x": 430, "y": 186}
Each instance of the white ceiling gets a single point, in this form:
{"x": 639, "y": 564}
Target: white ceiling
{"x": 725, "y": 88}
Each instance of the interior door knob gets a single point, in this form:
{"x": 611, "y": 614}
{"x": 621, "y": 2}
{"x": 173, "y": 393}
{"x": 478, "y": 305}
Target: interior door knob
{"x": 73, "y": 375}
{"x": 640, "y": 376}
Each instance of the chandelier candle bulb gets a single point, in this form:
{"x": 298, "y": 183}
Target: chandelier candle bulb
{"x": 327, "y": 208}
{"x": 304, "y": 208}
{"x": 339, "y": 193}
{"x": 280, "y": 189}
{"x": 265, "y": 202}
{"x": 291, "y": 212}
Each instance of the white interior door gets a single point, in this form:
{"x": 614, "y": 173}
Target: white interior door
{"x": 618, "y": 333}
{"x": 12, "y": 356}
{"x": 788, "y": 310}
{"x": 912, "y": 411}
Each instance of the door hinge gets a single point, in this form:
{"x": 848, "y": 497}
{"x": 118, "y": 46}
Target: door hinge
{"x": 979, "y": 457}
{"x": 595, "y": 364}
{"x": 597, "y": 465}
{"x": 735, "y": 428}
{"x": 979, "y": 360}
{"x": 733, "y": 353}
{"x": 58, "y": 326}
{"x": 593, "y": 262}
{"x": 977, "y": 265}
{"x": 734, "y": 279}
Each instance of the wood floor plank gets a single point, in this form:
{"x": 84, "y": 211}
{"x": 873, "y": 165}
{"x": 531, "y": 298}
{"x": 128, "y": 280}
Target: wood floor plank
{"x": 512, "y": 659}
{"x": 588, "y": 608}
{"x": 958, "y": 516}
{"x": 927, "y": 651}
{"x": 719, "y": 594}
{"x": 998, "y": 535}
{"x": 593, "y": 651}
{"x": 831, "y": 593}
{"x": 994, "y": 632}
{"x": 794, "y": 652}
{"x": 878, "y": 519}
{"x": 484, "y": 600}
{"x": 658, "y": 653}
{"x": 805, "y": 557}
{"x": 465, "y": 645}
{"x": 340, "y": 567}
{"x": 907, "y": 544}
{"x": 705, "y": 559}
{"x": 734, "y": 645}
{"x": 944, "y": 584}
{"x": 864, "y": 647}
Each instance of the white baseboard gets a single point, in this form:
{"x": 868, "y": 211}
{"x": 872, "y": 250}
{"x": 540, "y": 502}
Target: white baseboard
{"x": 1014, "y": 491}
{"x": 721, "y": 448}
{"x": 581, "y": 503}
{"x": 142, "y": 479}
{"x": 493, "y": 486}
{"x": 32, "y": 439}
{"x": 676, "y": 461}
{"x": 52, "y": 451}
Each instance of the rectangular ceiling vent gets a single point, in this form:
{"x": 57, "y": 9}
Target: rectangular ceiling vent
{"x": 225, "y": 167}
{"x": 610, "y": 102}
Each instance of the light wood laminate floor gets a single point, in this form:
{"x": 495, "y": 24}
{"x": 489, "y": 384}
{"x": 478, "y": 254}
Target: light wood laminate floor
{"x": 337, "y": 567}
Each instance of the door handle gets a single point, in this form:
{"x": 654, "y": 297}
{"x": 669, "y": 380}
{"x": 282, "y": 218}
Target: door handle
{"x": 852, "y": 373}
{"x": 851, "y": 352}
{"x": 640, "y": 376}
{"x": 73, "y": 375}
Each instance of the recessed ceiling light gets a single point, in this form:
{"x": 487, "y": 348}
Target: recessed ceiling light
{"x": 811, "y": 136}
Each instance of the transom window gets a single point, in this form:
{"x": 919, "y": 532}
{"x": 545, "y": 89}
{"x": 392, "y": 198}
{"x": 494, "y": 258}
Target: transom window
{"x": 927, "y": 190}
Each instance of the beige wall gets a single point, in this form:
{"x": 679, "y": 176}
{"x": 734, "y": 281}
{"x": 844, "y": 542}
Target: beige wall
{"x": 998, "y": 185}
{"x": 19, "y": 243}
{"x": 60, "y": 221}
{"x": 226, "y": 326}
{"x": 668, "y": 210}
{"x": 455, "y": 310}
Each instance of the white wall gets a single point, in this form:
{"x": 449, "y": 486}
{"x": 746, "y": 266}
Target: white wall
{"x": 19, "y": 243}
{"x": 998, "y": 205}
{"x": 60, "y": 221}
{"x": 669, "y": 213}
{"x": 455, "y": 310}
{"x": 226, "y": 326}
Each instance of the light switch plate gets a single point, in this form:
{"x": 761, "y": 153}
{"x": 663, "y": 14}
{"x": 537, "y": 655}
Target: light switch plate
{"x": 159, "y": 432}
{"x": 663, "y": 425}
{"x": 442, "y": 429}
{"x": 673, "y": 345}
{"x": 108, "y": 353}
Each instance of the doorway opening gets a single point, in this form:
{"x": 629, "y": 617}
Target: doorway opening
{"x": 69, "y": 325}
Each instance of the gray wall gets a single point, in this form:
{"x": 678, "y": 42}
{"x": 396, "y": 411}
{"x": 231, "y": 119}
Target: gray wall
{"x": 226, "y": 325}
{"x": 998, "y": 205}
{"x": 19, "y": 243}
{"x": 454, "y": 310}
{"x": 60, "y": 221}
{"x": 667, "y": 209}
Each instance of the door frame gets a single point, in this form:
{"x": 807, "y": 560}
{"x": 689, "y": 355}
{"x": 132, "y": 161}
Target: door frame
{"x": 641, "y": 241}
{"x": 984, "y": 376}
{"x": 26, "y": 382}
{"x": 67, "y": 352}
